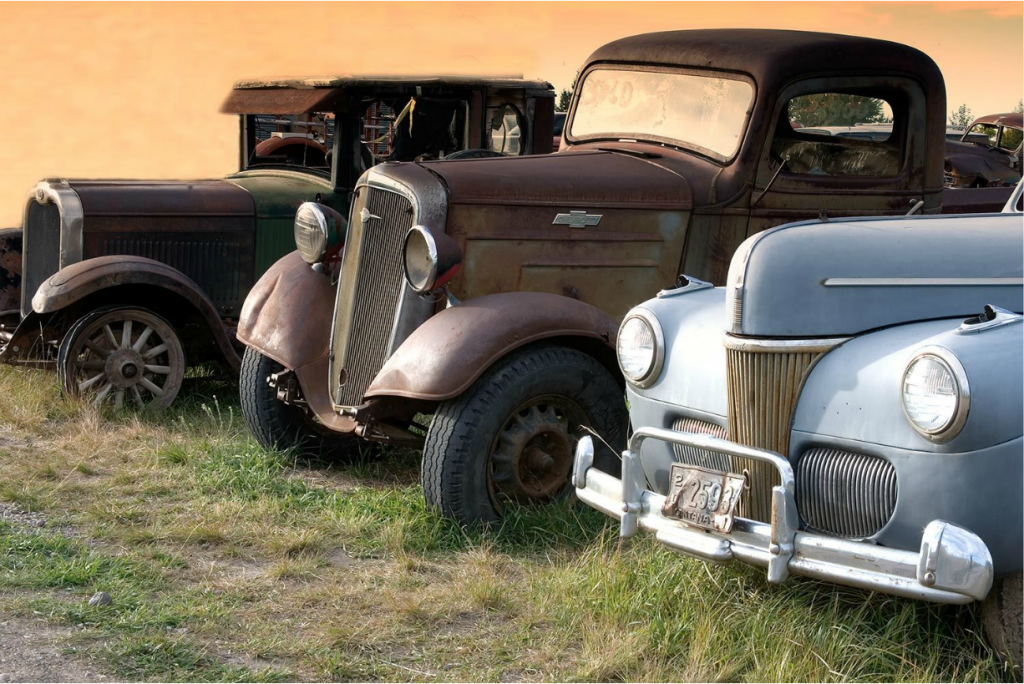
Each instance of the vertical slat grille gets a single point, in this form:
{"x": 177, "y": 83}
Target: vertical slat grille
{"x": 845, "y": 494}
{"x": 40, "y": 249}
{"x": 369, "y": 291}
{"x": 701, "y": 457}
{"x": 763, "y": 389}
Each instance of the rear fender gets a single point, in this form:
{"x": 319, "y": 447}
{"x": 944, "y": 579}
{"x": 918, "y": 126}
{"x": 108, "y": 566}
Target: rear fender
{"x": 447, "y": 354}
{"x": 137, "y": 281}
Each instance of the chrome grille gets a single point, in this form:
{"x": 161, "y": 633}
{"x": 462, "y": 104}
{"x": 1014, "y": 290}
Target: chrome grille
{"x": 701, "y": 457}
{"x": 845, "y": 494}
{"x": 764, "y": 384}
{"x": 40, "y": 249}
{"x": 369, "y": 290}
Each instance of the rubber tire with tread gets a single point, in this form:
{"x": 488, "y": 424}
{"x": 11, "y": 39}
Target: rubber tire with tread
{"x": 277, "y": 425}
{"x": 454, "y": 470}
{"x": 1001, "y": 617}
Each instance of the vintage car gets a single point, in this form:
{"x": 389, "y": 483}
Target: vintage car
{"x": 122, "y": 284}
{"x": 676, "y": 148}
{"x": 847, "y": 408}
{"x": 988, "y": 153}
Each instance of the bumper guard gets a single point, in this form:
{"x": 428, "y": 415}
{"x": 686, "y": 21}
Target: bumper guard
{"x": 953, "y": 565}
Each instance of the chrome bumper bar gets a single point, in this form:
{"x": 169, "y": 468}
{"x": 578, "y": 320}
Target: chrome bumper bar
{"x": 952, "y": 566}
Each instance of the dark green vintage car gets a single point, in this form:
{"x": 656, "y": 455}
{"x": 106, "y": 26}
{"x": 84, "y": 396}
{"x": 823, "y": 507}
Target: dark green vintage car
{"x": 123, "y": 284}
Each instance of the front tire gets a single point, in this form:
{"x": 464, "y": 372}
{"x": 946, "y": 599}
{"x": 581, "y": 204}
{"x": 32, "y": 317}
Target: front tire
{"x": 122, "y": 356}
{"x": 1001, "y": 617}
{"x": 277, "y": 425}
{"x": 511, "y": 437}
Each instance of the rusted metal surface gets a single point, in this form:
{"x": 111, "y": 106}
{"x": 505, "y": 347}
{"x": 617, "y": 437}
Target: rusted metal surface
{"x": 10, "y": 272}
{"x": 138, "y": 280}
{"x": 445, "y": 355}
{"x": 289, "y": 287}
{"x": 280, "y": 101}
{"x": 1011, "y": 119}
{"x": 974, "y": 200}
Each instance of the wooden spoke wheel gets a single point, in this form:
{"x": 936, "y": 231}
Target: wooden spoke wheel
{"x": 123, "y": 357}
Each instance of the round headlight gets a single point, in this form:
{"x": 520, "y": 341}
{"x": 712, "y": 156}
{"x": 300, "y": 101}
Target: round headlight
{"x": 430, "y": 260}
{"x": 935, "y": 394}
{"x": 640, "y": 348}
{"x": 420, "y": 259}
{"x": 311, "y": 232}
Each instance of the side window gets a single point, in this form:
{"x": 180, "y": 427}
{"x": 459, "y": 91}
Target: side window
{"x": 837, "y": 134}
{"x": 990, "y": 132}
{"x": 1011, "y": 138}
{"x": 506, "y": 130}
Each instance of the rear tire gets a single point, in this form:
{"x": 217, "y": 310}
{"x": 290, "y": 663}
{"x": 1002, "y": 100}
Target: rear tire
{"x": 277, "y": 425}
{"x": 1001, "y": 617}
{"x": 512, "y": 435}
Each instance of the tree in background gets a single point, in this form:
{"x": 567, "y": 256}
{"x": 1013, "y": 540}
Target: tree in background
{"x": 835, "y": 109}
{"x": 1020, "y": 106}
{"x": 961, "y": 117}
{"x": 565, "y": 97}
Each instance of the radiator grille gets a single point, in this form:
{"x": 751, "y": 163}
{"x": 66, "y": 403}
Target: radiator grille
{"x": 217, "y": 264}
{"x": 701, "y": 457}
{"x": 845, "y": 494}
{"x": 763, "y": 389}
{"x": 369, "y": 291}
{"x": 40, "y": 249}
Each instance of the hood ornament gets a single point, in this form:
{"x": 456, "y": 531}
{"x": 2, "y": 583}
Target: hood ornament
{"x": 577, "y": 219}
{"x": 365, "y": 216}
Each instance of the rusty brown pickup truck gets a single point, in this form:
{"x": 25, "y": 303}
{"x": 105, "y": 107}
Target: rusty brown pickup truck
{"x": 489, "y": 292}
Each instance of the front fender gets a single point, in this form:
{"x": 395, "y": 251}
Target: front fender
{"x": 123, "y": 279}
{"x": 287, "y": 314}
{"x": 446, "y": 355}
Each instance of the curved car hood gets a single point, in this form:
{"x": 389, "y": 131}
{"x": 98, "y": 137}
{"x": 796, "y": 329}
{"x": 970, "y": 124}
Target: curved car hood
{"x": 968, "y": 160}
{"x": 844, "y": 277}
{"x": 586, "y": 179}
{"x": 162, "y": 198}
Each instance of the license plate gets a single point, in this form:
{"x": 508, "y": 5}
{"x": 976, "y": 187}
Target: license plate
{"x": 703, "y": 497}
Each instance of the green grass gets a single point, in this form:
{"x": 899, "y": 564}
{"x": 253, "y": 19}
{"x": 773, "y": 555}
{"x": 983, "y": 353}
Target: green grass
{"x": 229, "y": 562}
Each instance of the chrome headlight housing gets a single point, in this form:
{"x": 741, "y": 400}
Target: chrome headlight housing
{"x": 318, "y": 231}
{"x": 935, "y": 394}
{"x": 430, "y": 260}
{"x": 640, "y": 348}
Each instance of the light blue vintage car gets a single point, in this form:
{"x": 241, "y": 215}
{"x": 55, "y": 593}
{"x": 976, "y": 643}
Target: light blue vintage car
{"x": 848, "y": 408}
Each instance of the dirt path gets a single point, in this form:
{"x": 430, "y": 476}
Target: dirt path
{"x": 35, "y": 651}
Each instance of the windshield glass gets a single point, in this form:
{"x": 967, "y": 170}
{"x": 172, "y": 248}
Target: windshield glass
{"x": 302, "y": 140}
{"x": 705, "y": 112}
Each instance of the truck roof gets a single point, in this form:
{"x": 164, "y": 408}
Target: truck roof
{"x": 772, "y": 57}
{"x": 1011, "y": 119}
{"x": 302, "y": 96}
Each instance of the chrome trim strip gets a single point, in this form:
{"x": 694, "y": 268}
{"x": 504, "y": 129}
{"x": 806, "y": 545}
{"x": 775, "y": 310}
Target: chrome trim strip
{"x": 997, "y": 318}
{"x": 760, "y": 344}
{"x": 919, "y": 282}
{"x": 692, "y": 285}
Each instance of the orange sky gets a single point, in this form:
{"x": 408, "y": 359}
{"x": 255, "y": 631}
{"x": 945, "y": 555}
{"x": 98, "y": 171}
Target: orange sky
{"x": 132, "y": 90}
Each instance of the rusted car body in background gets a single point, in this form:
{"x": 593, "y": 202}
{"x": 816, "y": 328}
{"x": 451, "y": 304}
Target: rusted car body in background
{"x": 677, "y": 147}
{"x": 122, "y": 284}
{"x": 988, "y": 154}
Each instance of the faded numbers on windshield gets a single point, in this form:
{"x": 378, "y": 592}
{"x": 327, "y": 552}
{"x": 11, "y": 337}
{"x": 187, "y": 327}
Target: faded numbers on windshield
{"x": 706, "y": 112}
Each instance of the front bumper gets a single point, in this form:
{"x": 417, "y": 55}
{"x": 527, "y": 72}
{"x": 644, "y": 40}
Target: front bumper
{"x": 952, "y": 566}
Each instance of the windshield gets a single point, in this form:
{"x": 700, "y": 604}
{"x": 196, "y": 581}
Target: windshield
{"x": 705, "y": 112}
{"x": 302, "y": 140}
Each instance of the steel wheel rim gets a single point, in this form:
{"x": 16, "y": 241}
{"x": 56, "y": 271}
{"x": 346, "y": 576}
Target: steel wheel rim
{"x": 125, "y": 359}
{"x": 531, "y": 457}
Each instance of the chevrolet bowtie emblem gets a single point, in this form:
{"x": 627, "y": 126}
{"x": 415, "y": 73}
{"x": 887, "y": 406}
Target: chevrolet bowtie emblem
{"x": 577, "y": 219}
{"x": 365, "y": 216}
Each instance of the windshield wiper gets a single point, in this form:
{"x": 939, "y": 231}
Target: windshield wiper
{"x": 632, "y": 153}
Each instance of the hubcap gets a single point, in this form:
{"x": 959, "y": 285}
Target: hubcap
{"x": 532, "y": 455}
